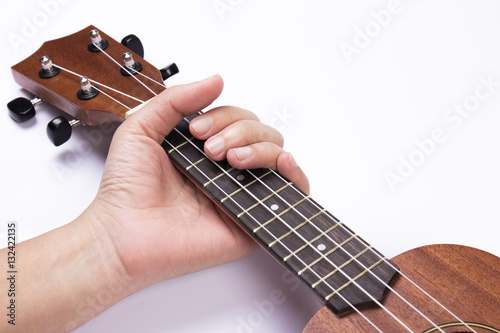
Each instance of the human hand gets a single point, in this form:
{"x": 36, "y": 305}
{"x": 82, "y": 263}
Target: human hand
{"x": 148, "y": 222}
{"x": 160, "y": 224}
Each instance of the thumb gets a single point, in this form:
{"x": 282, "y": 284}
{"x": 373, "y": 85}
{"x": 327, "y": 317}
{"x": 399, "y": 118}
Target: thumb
{"x": 159, "y": 116}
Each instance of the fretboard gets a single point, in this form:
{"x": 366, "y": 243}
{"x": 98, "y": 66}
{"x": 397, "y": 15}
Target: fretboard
{"x": 340, "y": 267}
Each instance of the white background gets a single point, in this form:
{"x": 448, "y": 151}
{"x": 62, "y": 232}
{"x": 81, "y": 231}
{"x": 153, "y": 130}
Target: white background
{"x": 349, "y": 120}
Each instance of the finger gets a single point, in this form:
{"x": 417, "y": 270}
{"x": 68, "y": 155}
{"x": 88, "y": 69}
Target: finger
{"x": 213, "y": 121}
{"x": 269, "y": 155}
{"x": 288, "y": 168}
{"x": 158, "y": 117}
{"x": 239, "y": 134}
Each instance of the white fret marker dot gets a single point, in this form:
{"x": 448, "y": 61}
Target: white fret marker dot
{"x": 274, "y": 206}
{"x": 321, "y": 247}
{"x": 240, "y": 177}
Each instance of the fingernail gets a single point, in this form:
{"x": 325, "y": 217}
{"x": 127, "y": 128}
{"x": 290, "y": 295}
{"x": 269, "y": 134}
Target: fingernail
{"x": 201, "y": 125}
{"x": 215, "y": 145}
{"x": 292, "y": 161}
{"x": 243, "y": 153}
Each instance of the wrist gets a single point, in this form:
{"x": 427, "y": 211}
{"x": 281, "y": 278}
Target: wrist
{"x": 95, "y": 223}
{"x": 94, "y": 277}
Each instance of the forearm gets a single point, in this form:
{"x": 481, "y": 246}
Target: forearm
{"x": 64, "y": 278}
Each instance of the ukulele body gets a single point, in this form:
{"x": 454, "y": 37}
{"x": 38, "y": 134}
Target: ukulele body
{"x": 463, "y": 279}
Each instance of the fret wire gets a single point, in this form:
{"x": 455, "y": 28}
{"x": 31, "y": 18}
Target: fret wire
{"x": 298, "y": 227}
{"x": 279, "y": 215}
{"x": 315, "y": 273}
{"x": 300, "y": 236}
{"x": 260, "y": 202}
{"x": 180, "y": 145}
{"x": 195, "y": 163}
{"x": 217, "y": 177}
{"x": 329, "y": 252}
{"x": 343, "y": 265}
{"x": 241, "y": 188}
{"x": 355, "y": 278}
{"x": 318, "y": 237}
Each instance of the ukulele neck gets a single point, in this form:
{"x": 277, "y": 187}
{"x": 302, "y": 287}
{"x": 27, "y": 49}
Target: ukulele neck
{"x": 340, "y": 267}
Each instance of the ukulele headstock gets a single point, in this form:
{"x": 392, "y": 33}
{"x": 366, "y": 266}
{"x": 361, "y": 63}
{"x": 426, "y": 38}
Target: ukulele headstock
{"x": 90, "y": 76}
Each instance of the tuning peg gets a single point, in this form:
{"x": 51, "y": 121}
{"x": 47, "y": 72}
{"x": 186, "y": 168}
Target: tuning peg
{"x": 97, "y": 43}
{"x": 48, "y": 69}
{"x": 22, "y": 109}
{"x": 131, "y": 67}
{"x": 59, "y": 129}
{"x": 134, "y": 44}
{"x": 87, "y": 91}
{"x": 168, "y": 71}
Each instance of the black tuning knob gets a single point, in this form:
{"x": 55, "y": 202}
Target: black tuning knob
{"x": 22, "y": 109}
{"x": 168, "y": 71}
{"x": 59, "y": 130}
{"x": 134, "y": 44}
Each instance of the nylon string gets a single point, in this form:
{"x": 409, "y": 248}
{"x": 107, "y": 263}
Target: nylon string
{"x": 161, "y": 84}
{"x": 103, "y": 85}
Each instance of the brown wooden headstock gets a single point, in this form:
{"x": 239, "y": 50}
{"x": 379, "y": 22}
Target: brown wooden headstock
{"x": 73, "y": 58}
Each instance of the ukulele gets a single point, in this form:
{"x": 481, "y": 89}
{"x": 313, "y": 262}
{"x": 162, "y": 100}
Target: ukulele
{"x": 437, "y": 288}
